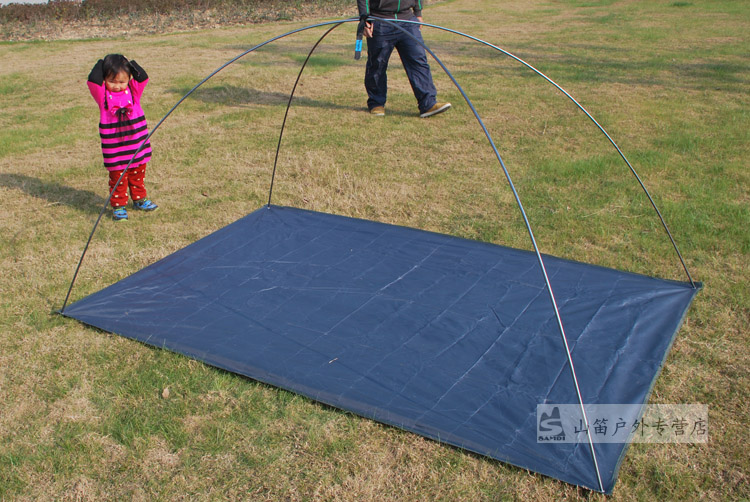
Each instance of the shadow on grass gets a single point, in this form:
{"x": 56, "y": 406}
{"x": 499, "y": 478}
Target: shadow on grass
{"x": 595, "y": 63}
{"x": 232, "y": 95}
{"x": 54, "y": 193}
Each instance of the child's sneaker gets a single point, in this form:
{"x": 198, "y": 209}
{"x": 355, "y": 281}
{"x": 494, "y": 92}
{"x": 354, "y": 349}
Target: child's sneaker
{"x": 144, "y": 205}
{"x": 120, "y": 214}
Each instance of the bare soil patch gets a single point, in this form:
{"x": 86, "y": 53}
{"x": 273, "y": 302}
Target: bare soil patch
{"x": 129, "y": 25}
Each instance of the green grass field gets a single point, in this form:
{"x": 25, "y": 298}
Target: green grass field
{"x": 85, "y": 415}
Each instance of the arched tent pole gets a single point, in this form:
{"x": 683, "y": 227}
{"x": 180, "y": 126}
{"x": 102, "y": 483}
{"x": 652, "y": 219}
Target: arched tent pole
{"x": 96, "y": 223}
{"x": 622, "y": 155}
{"x": 533, "y": 242}
{"x": 289, "y": 105}
{"x": 156, "y": 127}
{"x": 558, "y": 87}
{"x": 507, "y": 174}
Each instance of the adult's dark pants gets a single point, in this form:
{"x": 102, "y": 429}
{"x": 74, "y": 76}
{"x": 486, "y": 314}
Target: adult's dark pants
{"x": 386, "y": 37}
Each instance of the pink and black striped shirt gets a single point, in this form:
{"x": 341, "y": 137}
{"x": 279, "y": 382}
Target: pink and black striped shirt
{"x": 122, "y": 122}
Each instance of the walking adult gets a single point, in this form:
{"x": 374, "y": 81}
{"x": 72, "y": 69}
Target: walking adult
{"x": 382, "y": 38}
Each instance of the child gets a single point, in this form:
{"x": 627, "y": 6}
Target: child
{"x": 117, "y": 85}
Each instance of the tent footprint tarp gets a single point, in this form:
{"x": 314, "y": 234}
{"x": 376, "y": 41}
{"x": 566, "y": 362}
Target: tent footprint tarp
{"x": 452, "y": 339}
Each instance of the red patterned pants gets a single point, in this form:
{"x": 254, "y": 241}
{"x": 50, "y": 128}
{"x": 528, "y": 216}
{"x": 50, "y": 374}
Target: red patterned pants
{"x": 132, "y": 179}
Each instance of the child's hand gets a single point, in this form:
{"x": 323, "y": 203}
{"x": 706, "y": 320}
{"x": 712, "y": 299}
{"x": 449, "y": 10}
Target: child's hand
{"x": 97, "y": 73}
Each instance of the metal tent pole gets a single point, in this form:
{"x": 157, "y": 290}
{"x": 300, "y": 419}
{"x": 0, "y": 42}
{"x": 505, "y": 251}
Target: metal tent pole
{"x": 533, "y": 242}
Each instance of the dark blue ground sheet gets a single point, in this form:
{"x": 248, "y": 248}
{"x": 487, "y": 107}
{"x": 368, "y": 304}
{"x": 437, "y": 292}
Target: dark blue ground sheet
{"x": 452, "y": 339}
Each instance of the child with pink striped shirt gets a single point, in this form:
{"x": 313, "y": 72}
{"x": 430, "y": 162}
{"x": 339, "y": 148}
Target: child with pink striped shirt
{"x": 116, "y": 85}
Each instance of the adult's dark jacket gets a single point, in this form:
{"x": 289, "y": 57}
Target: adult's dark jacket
{"x": 398, "y": 9}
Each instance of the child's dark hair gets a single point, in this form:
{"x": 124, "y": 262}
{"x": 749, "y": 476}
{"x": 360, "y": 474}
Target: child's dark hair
{"x": 114, "y": 64}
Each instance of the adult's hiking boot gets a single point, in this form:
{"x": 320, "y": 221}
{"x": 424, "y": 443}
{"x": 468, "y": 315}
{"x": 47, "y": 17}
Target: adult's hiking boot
{"x": 436, "y": 108}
